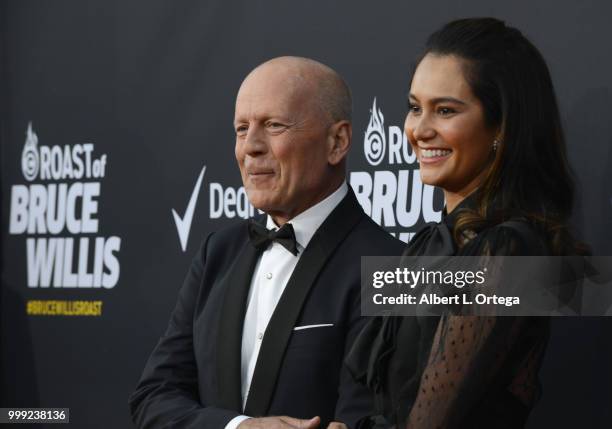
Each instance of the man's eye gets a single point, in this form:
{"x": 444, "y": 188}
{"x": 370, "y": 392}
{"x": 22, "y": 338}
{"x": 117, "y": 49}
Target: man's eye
{"x": 276, "y": 126}
{"x": 241, "y": 130}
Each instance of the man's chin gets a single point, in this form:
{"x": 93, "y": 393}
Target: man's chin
{"x": 260, "y": 204}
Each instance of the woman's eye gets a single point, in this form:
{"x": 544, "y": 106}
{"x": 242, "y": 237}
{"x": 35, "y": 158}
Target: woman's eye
{"x": 413, "y": 108}
{"x": 445, "y": 111}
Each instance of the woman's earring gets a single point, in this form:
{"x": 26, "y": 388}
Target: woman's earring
{"x": 495, "y": 144}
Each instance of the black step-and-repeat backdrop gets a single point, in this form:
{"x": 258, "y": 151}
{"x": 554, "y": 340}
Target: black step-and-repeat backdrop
{"x": 117, "y": 158}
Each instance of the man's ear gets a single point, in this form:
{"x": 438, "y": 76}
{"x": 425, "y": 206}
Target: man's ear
{"x": 339, "y": 139}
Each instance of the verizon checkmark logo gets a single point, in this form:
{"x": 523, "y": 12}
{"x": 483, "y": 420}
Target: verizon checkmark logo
{"x": 183, "y": 225}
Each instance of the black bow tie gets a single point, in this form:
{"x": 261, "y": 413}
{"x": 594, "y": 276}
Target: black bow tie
{"x": 261, "y": 236}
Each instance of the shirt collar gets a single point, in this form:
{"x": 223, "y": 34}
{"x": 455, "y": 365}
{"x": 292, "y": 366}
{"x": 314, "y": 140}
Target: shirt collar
{"x": 306, "y": 223}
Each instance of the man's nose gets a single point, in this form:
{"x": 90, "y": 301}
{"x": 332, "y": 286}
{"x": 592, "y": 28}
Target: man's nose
{"x": 255, "y": 142}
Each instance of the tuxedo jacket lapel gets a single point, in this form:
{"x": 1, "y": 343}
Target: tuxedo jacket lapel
{"x": 229, "y": 334}
{"x": 331, "y": 233}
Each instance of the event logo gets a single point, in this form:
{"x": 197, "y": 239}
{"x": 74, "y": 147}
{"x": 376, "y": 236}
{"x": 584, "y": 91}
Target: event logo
{"x": 59, "y": 217}
{"x": 29, "y": 156}
{"x": 375, "y": 140}
{"x": 394, "y": 197}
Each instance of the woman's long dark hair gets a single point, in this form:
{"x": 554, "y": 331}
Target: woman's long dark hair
{"x": 529, "y": 176}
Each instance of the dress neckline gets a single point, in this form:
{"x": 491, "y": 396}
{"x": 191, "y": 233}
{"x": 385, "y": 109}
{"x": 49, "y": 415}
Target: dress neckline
{"x": 468, "y": 203}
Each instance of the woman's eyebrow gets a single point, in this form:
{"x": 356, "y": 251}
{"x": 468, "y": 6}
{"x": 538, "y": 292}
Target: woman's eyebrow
{"x": 439, "y": 100}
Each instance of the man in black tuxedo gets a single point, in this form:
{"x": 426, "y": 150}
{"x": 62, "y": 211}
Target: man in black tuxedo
{"x": 270, "y": 306}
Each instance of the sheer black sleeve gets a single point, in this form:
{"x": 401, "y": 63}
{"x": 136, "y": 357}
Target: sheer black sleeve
{"x": 476, "y": 358}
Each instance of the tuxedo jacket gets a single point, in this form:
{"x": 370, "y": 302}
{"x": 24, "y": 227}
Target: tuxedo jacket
{"x": 192, "y": 378}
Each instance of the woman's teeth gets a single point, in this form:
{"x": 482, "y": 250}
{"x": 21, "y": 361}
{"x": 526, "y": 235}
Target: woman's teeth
{"x": 430, "y": 153}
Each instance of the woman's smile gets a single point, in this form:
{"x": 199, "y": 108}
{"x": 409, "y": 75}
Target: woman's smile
{"x": 433, "y": 156}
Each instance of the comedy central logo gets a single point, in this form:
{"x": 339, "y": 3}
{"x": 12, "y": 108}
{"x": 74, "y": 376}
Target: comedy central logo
{"x": 375, "y": 140}
{"x": 392, "y": 194}
{"x": 58, "y": 214}
{"x": 29, "y": 156}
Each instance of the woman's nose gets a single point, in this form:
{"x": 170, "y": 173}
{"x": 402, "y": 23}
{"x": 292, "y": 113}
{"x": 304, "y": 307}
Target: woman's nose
{"x": 422, "y": 129}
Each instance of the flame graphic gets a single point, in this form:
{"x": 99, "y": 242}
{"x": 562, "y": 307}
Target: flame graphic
{"x": 29, "y": 156}
{"x": 375, "y": 141}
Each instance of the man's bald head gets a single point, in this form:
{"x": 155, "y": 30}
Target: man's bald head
{"x": 331, "y": 93}
{"x": 293, "y": 134}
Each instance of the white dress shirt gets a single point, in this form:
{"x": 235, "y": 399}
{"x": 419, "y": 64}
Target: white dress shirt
{"x": 271, "y": 274}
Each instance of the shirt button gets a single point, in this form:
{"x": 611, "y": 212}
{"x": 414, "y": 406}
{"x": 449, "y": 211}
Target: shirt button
{"x": 260, "y": 336}
{"x": 269, "y": 276}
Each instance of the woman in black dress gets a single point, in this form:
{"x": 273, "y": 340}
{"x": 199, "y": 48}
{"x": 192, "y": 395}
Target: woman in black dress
{"x": 484, "y": 123}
